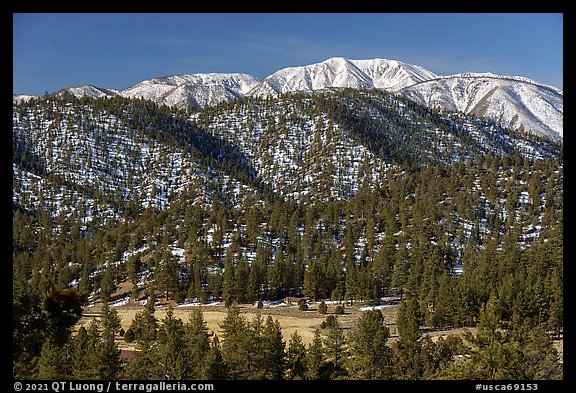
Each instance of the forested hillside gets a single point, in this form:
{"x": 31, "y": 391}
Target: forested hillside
{"x": 342, "y": 195}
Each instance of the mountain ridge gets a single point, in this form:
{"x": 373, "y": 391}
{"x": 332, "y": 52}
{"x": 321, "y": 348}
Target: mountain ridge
{"x": 523, "y": 104}
{"x": 215, "y": 87}
{"x": 517, "y": 78}
{"x": 513, "y": 102}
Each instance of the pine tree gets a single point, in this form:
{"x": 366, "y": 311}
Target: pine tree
{"x": 522, "y": 352}
{"x": 228, "y": 283}
{"x": 336, "y": 350}
{"x": 235, "y": 343}
{"x": 256, "y": 364}
{"x": 92, "y": 356}
{"x": 409, "y": 320}
{"x": 401, "y": 264}
{"x": 168, "y": 275}
{"x": 273, "y": 347}
{"x": 315, "y": 363}
{"x": 78, "y": 351}
{"x": 296, "y": 358}
{"x": 108, "y": 348}
{"x": 541, "y": 358}
{"x": 241, "y": 276}
{"x": 313, "y": 278}
{"x": 556, "y": 319}
{"x": 257, "y": 274}
{"x": 172, "y": 360}
{"x": 443, "y": 307}
{"x": 407, "y": 349}
{"x": 214, "y": 367}
{"x": 277, "y": 274}
{"x": 197, "y": 343}
{"x": 28, "y": 323}
{"x": 252, "y": 222}
{"x": 144, "y": 365}
{"x": 196, "y": 280}
{"x": 107, "y": 284}
{"x": 370, "y": 356}
{"x": 144, "y": 327}
{"x": 53, "y": 362}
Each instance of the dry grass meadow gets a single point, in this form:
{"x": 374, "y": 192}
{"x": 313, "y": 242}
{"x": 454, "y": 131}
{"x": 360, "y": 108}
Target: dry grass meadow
{"x": 290, "y": 318}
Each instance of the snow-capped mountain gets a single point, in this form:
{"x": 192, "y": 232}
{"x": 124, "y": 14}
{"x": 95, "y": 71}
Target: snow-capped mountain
{"x": 76, "y": 91}
{"x": 513, "y": 102}
{"x": 196, "y": 90}
{"x": 339, "y": 72}
{"x": 22, "y": 97}
{"x": 87, "y": 90}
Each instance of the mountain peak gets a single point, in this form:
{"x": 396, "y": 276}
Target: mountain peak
{"x": 339, "y": 72}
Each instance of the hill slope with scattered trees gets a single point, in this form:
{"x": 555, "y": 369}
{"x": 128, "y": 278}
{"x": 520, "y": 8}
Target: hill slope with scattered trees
{"x": 339, "y": 195}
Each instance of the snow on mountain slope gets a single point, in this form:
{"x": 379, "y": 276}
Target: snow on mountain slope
{"x": 513, "y": 102}
{"x": 335, "y": 72}
{"x": 101, "y": 157}
{"x": 393, "y": 75}
{"x": 339, "y": 72}
{"x": 87, "y": 90}
{"x": 193, "y": 89}
{"x": 300, "y": 153}
{"x": 199, "y": 95}
{"x": 22, "y": 97}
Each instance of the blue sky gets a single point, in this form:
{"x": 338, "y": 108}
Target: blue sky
{"x": 52, "y": 51}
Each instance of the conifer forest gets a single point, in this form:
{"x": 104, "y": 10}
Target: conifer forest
{"x": 342, "y": 200}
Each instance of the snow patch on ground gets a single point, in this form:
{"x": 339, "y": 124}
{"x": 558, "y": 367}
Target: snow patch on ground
{"x": 379, "y": 307}
{"x": 194, "y": 304}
